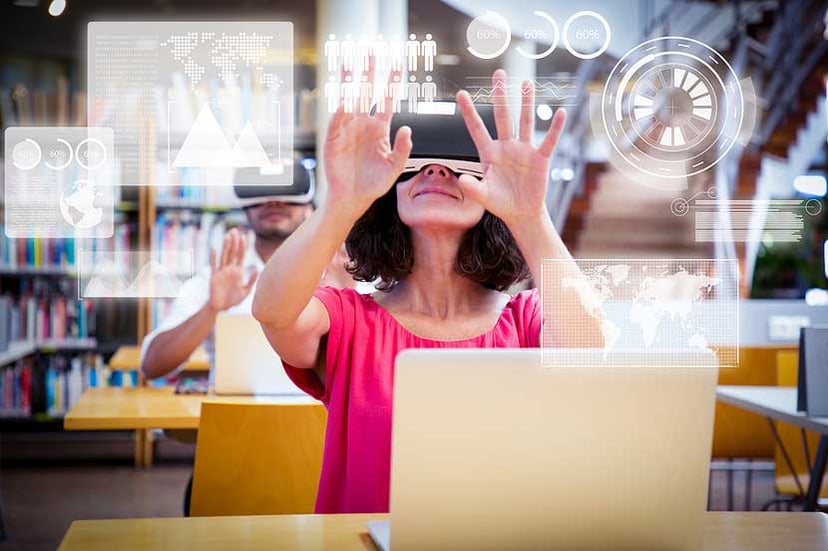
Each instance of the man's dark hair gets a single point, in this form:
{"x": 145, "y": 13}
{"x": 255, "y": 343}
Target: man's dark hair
{"x": 380, "y": 247}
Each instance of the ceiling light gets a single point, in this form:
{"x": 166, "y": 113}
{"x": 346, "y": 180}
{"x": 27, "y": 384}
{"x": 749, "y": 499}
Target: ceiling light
{"x": 811, "y": 184}
{"x": 816, "y": 297}
{"x": 56, "y": 7}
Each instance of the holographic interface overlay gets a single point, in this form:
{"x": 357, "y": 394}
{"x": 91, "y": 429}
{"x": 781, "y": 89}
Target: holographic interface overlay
{"x": 133, "y": 274}
{"x": 209, "y": 96}
{"x": 731, "y": 220}
{"x": 667, "y": 309}
{"x": 672, "y": 108}
{"x": 366, "y": 73}
{"x": 58, "y": 182}
{"x": 585, "y": 35}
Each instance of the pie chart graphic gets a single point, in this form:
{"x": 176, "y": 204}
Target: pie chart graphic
{"x": 672, "y": 107}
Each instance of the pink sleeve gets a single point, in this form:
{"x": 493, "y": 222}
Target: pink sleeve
{"x": 529, "y": 307}
{"x": 338, "y": 305}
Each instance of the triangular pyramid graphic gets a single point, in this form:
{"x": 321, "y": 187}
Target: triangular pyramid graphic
{"x": 205, "y": 142}
{"x": 248, "y": 150}
{"x": 207, "y": 146}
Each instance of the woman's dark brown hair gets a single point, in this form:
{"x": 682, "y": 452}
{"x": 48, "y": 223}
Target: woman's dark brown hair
{"x": 380, "y": 247}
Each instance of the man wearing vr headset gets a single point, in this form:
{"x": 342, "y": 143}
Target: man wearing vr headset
{"x": 273, "y": 213}
{"x": 445, "y": 224}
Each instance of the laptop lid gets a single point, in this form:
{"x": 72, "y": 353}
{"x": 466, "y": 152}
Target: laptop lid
{"x": 492, "y": 451}
{"x": 245, "y": 362}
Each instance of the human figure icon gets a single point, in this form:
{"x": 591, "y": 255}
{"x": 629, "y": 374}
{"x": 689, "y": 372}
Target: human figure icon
{"x": 429, "y": 89}
{"x": 363, "y": 51}
{"x": 381, "y": 92}
{"x": 380, "y": 50}
{"x": 332, "y": 52}
{"x": 429, "y": 51}
{"x": 396, "y": 52}
{"x": 365, "y": 93}
{"x": 348, "y": 51}
{"x": 412, "y": 93}
{"x": 332, "y": 92}
{"x": 397, "y": 93}
{"x": 347, "y": 93}
{"x": 412, "y": 51}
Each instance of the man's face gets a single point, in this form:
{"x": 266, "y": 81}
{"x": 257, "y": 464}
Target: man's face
{"x": 276, "y": 220}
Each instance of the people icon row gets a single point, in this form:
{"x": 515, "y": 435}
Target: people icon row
{"x": 360, "y": 96}
{"x": 392, "y": 54}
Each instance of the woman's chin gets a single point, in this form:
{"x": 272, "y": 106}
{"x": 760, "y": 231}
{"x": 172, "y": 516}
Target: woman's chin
{"x": 448, "y": 219}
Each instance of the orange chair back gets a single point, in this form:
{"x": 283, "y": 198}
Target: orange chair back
{"x": 736, "y": 432}
{"x": 257, "y": 459}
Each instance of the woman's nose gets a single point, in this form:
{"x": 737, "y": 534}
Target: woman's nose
{"x": 437, "y": 170}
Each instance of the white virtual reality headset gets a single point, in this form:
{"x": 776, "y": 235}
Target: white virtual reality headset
{"x": 254, "y": 186}
{"x": 440, "y": 136}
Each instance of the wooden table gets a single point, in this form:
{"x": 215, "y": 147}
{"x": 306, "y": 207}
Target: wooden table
{"x": 128, "y": 358}
{"x": 779, "y": 403}
{"x": 145, "y": 408}
{"x": 753, "y": 531}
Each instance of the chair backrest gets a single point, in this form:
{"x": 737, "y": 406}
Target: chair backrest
{"x": 257, "y": 459}
{"x": 736, "y": 432}
{"x": 787, "y": 367}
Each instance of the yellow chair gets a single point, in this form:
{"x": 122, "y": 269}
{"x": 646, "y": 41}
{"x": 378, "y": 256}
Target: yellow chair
{"x": 740, "y": 434}
{"x": 257, "y": 459}
{"x": 794, "y": 439}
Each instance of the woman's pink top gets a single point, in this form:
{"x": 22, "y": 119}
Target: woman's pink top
{"x": 363, "y": 342}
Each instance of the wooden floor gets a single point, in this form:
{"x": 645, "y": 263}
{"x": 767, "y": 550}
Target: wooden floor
{"x": 46, "y": 485}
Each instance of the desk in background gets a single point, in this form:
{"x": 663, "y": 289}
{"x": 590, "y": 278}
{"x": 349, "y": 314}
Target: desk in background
{"x": 128, "y": 358}
{"x": 145, "y": 408}
{"x": 779, "y": 404}
{"x": 754, "y": 531}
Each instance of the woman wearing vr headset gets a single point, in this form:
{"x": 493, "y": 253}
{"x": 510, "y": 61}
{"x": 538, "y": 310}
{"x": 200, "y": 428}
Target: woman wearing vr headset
{"x": 442, "y": 248}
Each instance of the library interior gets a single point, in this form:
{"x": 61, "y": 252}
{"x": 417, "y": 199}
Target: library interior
{"x": 429, "y": 274}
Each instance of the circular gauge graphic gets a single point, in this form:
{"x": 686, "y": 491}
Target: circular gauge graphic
{"x": 488, "y": 36}
{"x": 538, "y": 34}
{"x": 62, "y": 154}
{"x": 26, "y": 154}
{"x": 586, "y": 34}
{"x": 672, "y": 107}
{"x": 813, "y": 207}
{"x": 91, "y": 154}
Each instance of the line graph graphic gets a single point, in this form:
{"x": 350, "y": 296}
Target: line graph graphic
{"x": 560, "y": 91}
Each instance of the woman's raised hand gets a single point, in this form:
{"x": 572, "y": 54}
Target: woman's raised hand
{"x": 515, "y": 173}
{"x": 360, "y": 165}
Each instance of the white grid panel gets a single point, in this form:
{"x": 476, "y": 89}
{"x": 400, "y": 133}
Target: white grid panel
{"x": 671, "y": 312}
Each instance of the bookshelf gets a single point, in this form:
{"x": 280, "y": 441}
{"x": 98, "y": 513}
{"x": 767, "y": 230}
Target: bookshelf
{"x": 51, "y": 343}
{"x": 50, "y": 367}
{"x": 17, "y": 350}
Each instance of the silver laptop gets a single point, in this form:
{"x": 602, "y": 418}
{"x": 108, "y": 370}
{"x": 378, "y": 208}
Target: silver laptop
{"x": 492, "y": 451}
{"x": 245, "y": 363}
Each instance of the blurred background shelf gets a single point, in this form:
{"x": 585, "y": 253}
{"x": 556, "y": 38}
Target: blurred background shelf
{"x": 22, "y": 348}
{"x": 16, "y": 350}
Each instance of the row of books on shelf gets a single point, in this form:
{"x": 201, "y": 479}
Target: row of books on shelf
{"x": 21, "y": 254}
{"x": 44, "y": 316}
{"x": 35, "y": 253}
{"x": 60, "y": 381}
{"x": 67, "y": 378}
{"x": 16, "y": 389}
{"x": 177, "y": 194}
{"x": 180, "y": 231}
